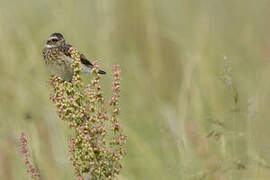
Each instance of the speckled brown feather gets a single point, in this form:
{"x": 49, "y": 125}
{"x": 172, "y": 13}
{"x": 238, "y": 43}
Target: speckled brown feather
{"x": 58, "y": 59}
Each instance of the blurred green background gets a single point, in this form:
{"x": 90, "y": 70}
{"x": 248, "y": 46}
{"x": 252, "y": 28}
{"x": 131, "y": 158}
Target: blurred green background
{"x": 195, "y": 84}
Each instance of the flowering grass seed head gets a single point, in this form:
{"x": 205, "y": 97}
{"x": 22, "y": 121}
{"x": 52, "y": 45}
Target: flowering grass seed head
{"x": 31, "y": 169}
{"x": 98, "y": 143}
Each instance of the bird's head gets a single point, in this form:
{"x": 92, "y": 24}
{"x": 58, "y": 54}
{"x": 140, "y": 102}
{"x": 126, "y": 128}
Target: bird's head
{"x": 55, "y": 40}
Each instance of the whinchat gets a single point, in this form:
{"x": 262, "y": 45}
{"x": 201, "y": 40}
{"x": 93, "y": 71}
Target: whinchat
{"x": 58, "y": 59}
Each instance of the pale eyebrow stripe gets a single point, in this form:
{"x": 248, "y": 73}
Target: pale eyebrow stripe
{"x": 51, "y": 38}
{"x": 49, "y": 46}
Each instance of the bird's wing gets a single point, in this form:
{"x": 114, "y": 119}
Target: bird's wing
{"x": 83, "y": 59}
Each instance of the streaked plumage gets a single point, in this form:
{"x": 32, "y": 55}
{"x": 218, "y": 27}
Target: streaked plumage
{"x": 58, "y": 59}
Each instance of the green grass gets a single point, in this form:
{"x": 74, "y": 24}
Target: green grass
{"x": 171, "y": 55}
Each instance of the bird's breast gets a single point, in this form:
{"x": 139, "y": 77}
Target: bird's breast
{"x": 57, "y": 64}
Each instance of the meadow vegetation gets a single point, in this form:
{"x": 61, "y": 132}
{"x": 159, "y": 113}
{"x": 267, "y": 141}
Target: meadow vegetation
{"x": 194, "y": 94}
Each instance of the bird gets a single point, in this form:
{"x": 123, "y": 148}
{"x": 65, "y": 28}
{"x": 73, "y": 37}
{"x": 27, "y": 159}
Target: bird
{"x": 58, "y": 58}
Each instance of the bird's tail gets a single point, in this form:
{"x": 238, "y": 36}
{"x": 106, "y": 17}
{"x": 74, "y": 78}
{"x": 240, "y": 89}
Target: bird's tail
{"x": 101, "y": 72}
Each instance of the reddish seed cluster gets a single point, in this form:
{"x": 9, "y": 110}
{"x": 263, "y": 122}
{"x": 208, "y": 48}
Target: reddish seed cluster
{"x": 30, "y": 167}
{"x": 119, "y": 139}
{"x": 98, "y": 143}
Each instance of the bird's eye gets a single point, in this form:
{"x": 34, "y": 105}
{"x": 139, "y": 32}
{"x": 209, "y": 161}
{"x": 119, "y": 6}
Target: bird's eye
{"x": 54, "y": 40}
